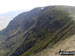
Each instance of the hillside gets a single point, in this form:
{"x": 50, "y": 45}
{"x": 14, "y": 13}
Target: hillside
{"x": 35, "y": 31}
{"x": 65, "y": 45}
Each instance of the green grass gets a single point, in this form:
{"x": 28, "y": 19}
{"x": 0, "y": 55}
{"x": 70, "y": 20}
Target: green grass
{"x": 51, "y": 39}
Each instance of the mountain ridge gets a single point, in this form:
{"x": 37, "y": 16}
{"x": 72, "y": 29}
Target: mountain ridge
{"x": 33, "y": 31}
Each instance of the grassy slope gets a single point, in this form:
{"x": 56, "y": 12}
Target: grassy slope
{"x": 40, "y": 34}
{"x": 65, "y": 44}
{"x": 51, "y": 38}
{"x": 46, "y": 41}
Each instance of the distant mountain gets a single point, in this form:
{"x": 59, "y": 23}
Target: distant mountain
{"x": 33, "y": 31}
{"x": 4, "y": 21}
{"x": 5, "y": 18}
{"x": 12, "y": 13}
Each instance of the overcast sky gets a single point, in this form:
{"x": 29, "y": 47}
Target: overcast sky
{"x": 10, "y": 5}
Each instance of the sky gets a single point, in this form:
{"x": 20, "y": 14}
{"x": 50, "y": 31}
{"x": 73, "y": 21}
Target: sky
{"x": 10, "y": 5}
{"x": 15, "y": 5}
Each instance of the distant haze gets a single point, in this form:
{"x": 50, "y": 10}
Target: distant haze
{"x": 10, "y": 5}
{"x": 5, "y": 18}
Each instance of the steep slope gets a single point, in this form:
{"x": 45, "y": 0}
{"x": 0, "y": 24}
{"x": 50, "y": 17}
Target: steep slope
{"x": 22, "y": 21}
{"x": 11, "y": 36}
{"x": 32, "y": 32}
{"x": 48, "y": 31}
{"x": 67, "y": 44}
